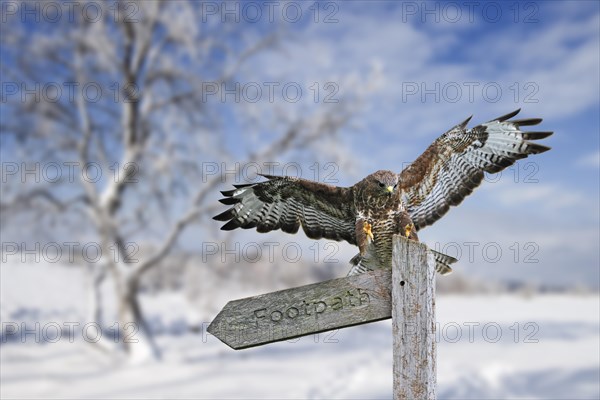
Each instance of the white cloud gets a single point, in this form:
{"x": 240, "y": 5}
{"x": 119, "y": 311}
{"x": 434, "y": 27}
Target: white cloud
{"x": 590, "y": 160}
{"x": 547, "y": 197}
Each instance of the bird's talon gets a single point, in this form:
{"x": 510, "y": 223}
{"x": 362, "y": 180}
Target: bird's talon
{"x": 408, "y": 230}
{"x": 367, "y": 230}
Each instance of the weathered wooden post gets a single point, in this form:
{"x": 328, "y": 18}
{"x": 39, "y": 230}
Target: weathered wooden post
{"x": 413, "y": 320}
{"x": 405, "y": 293}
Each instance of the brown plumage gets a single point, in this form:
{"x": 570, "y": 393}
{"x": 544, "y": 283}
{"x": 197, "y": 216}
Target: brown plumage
{"x": 384, "y": 203}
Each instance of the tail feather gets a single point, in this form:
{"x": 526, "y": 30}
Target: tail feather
{"x": 442, "y": 264}
{"x": 357, "y": 266}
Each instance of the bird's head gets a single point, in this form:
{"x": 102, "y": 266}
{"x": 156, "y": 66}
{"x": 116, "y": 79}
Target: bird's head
{"x": 386, "y": 182}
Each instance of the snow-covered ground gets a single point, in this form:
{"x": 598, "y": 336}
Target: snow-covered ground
{"x": 543, "y": 346}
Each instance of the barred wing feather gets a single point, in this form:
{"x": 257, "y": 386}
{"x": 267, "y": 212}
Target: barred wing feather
{"x": 286, "y": 203}
{"x": 454, "y": 164}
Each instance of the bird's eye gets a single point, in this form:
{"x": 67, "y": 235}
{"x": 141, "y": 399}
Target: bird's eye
{"x": 381, "y": 184}
{"x": 395, "y": 186}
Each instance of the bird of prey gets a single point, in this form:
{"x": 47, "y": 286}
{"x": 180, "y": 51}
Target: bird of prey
{"x": 385, "y": 203}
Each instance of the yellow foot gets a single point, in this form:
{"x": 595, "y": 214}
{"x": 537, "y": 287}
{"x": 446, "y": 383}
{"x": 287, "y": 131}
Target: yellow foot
{"x": 408, "y": 229}
{"x": 367, "y": 229}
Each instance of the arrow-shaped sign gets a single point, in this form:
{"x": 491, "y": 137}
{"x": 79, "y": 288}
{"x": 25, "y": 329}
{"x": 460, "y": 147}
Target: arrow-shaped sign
{"x": 319, "y": 307}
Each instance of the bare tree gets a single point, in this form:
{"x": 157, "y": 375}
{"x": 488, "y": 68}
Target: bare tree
{"x": 124, "y": 98}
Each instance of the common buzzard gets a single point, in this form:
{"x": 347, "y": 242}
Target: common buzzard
{"x": 385, "y": 203}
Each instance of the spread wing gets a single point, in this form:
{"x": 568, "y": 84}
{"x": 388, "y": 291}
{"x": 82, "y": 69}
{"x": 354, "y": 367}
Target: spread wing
{"x": 454, "y": 164}
{"x": 285, "y": 203}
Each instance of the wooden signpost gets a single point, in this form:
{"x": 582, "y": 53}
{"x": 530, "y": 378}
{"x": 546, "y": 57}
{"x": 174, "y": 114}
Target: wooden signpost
{"x": 406, "y": 293}
{"x": 303, "y": 310}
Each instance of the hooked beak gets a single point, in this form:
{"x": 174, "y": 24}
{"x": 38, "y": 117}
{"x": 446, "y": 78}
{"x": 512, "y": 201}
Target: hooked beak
{"x": 390, "y": 189}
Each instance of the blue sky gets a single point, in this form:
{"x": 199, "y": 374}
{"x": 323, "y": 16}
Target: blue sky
{"x": 483, "y": 59}
{"x": 544, "y": 60}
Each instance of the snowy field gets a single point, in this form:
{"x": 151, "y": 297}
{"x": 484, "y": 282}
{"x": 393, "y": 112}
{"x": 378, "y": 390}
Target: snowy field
{"x": 489, "y": 347}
